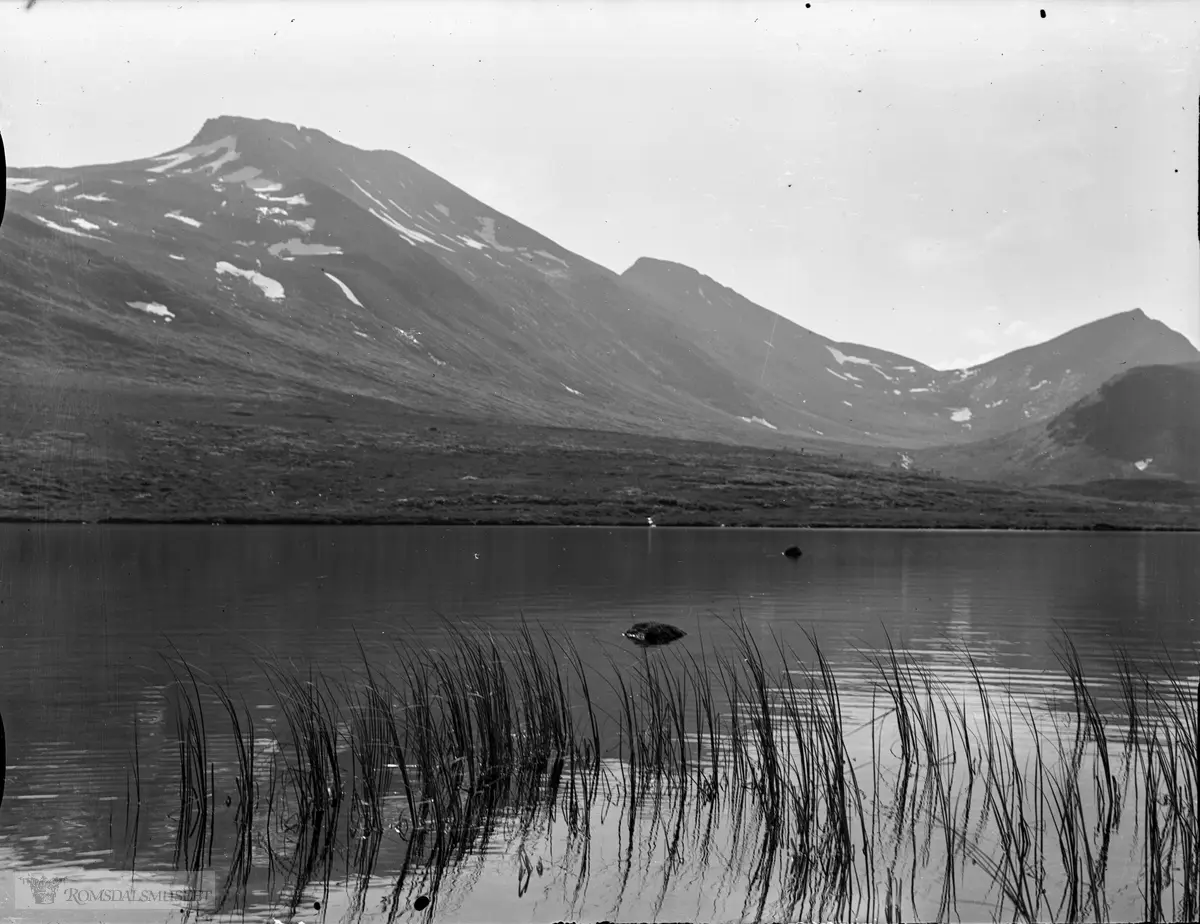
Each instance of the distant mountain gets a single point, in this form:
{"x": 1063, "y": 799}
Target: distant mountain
{"x": 1142, "y": 424}
{"x": 267, "y": 259}
{"x": 862, "y": 394}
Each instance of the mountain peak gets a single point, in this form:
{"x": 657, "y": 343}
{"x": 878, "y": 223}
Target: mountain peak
{"x": 222, "y": 125}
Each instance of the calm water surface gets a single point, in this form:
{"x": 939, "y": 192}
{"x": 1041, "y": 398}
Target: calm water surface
{"x": 90, "y": 613}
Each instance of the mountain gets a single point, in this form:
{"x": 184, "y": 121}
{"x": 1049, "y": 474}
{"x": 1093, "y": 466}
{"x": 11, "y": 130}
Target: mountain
{"x": 858, "y": 393}
{"x": 272, "y": 259}
{"x": 267, "y": 260}
{"x": 1140, "y": 425}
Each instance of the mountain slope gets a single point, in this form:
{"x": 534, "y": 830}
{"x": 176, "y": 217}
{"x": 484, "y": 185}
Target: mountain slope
{"x": 867, "y": 395}
{"x": 1141, "y": 425}
{"x": 279, "y": 254}
{"x": 266, "y": 259}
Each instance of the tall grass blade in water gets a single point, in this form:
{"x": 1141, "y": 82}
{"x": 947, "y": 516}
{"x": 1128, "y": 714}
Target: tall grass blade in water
{"x": 736, "y": 767}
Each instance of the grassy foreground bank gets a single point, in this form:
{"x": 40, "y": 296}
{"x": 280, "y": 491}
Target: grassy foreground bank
{"x": 131, "y": 458}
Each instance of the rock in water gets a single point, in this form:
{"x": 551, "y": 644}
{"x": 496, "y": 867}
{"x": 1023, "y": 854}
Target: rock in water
{"x": 654, "y": 633}
{"x": 793, "y": 551}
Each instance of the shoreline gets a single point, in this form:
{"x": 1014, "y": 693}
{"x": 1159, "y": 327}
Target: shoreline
{"x": 460, "y": 522}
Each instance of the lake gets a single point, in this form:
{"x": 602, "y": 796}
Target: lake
{"x": 93, "y": 617}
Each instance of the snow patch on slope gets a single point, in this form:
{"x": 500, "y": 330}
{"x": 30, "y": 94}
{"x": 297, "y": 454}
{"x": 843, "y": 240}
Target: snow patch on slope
{"x": 345, "y": 288}
{"x": 961, "y": 414}
{"x": 365, "y": 193}
{"x": 1143, "y": 464}
{"x": 271, "y": 288}
{"x": 98, "y": 197}
{"x": 487, "y": 231}
{"x": 297, "y": 199}
{"x": 65, "y": 230}
{"x": 23, "y": 184}
{"x": 843, "y": 358}
{"x": 298, "y": 248}
{"x": 85, "y": 224}
{"x": 759, "y": 421}
{"x": 153, "y": 308}
{"x": 413, "y": 237}
{"x": 171, "y": 161}
{"x": 574, "y": 392}
{"x": 550, "y": 256}
{"x": 183, "y": 218}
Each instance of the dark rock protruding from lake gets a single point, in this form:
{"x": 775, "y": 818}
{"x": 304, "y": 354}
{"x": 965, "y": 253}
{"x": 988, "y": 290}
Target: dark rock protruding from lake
{"x": 793, "y": 551}
{"x": 654, "y": 633}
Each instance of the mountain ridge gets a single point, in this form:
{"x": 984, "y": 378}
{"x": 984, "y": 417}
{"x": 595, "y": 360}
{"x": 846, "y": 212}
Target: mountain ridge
{"x": 262, "y": 251}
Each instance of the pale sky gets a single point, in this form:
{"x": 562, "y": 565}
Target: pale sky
{"x": 948, "y": 180}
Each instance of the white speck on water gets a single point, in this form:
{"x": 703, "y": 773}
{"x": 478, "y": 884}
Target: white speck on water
{"x": 271, "y": 288}
{"x": 183, "y": 218}
{"x": 152, "y": 308}
{"x": 345, "y": 288}
{"x": 961, "y": 415}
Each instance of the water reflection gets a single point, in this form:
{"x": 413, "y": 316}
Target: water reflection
{"x": 91, "y": 612}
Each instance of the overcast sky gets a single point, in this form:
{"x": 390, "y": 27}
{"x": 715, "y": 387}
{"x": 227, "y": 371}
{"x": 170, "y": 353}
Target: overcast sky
{"x": 949, "y": 180}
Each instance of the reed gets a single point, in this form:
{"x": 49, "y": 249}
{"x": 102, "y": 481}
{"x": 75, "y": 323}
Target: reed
{"x": 738, "y": 761}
